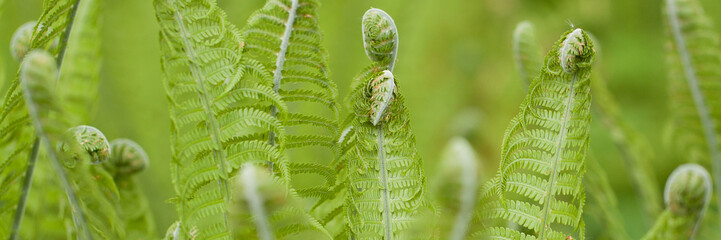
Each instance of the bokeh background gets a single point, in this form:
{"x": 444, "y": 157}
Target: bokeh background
{"x": 455, "y": 68}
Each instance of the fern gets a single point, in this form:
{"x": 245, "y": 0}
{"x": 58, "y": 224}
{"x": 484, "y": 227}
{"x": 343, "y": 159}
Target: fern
{"x": 385, "y": 180}
{"x": 526, "y": 51}
{"x": 220, "y": 113}
{"x": 263, "y": 210}
{"x": 604, "y": 204}
{"x": 695, "y": 84}
{"x": 126, "y": 161}
{"x": 687, "y": 196}
{"x": 284, "y": 37}
{"x": 538, "y": 185}
{"x": 457, "y": 190}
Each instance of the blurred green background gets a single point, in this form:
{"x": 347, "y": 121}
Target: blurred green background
{"x": 454, "y": 64}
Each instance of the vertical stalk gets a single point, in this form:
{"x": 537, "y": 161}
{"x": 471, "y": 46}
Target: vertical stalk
{"x": 27, "y": 182}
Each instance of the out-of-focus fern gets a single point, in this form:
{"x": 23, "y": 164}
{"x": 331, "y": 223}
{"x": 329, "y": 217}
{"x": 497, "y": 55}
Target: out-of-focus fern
{"x": 538, "y": 185}
{"x": 456, "y": 189}
{"x": 126, "y": 161}
{"x": 220, "y": 113}
{"x": 526, "y": 51}
{"x": 285, "y": 38}
{"x": 695, "y": 84}
{"x": 262, "y": 209}
{"x": 687, "y": 196}
{"x": 385, "y": 181}
{"x": 604, "y": 204}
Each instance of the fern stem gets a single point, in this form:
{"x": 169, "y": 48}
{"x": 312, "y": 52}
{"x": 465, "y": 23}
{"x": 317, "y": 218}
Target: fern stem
{"x": 468, "y": 196}
{"x": 709, "y": 129}
{"x": 27, "y": 182}
{"x": 255, "y": 203}
{"x": 560, "y": 143}
{"x": 211, "y": 124}
{"x": 66, "y": 34}
{"x": 384, "y": 181}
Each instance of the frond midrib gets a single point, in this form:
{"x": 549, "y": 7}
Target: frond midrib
{"x": 384, "y": 181}
{"x": 709, "y": 130}
{"x": 557, "y": 157}
{"x": 205, "y": 101}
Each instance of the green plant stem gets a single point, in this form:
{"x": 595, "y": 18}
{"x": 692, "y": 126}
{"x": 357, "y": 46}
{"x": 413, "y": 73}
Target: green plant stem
{"x": 25, "y": 192}
{"x": 66, "y": 34}
{"x": 709, "y": 129}
{"x": 384, "y": 181}
{"x": 280, "y": 61}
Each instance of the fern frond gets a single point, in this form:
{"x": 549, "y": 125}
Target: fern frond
{"x": 220, "y": 113}
{"x": 21, "y": 40}
{"x": 127, "y": 160}
{"x": 263, "y": 210}
{"x": 385, "y": 180}
{"x": 526, "y": 51}
{"x": 456, "y": 189}
{"x": 545, "y": 147}
{"x": 687, "y": 196}
{"x": 81, "y": 68}
{"x": 695, "y": 83}
{"x": 285, "y": 38}
{"x": 380, "y": 37}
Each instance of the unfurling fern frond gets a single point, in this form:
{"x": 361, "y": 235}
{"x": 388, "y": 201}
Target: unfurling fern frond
{"x": 383, "y": 170}
{"x": 526, "y": 51}
{"x": 695, "y": 85}
{"x": 21, "y": 40}
{"x": 220, "y": 113}
{"x": 126, "y": 161}
{"x": 687, "y": 196}
{"x": 457, "y": 189}
{"x": 285, "y": 38}
{"x": 539, "y": 181}
{"x": 380, "y": 41}
{"x": 262, "y": 209}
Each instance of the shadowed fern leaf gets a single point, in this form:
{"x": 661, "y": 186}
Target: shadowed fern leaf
{"x": 126, "y": 161}
{"x": 284, "y": 37}
{"x": 220, "y": 113}
{"x": 687, "y": 196}
{"x": 695, "y": 84}
{"x": 262, "y": 209}
{"x": 538, "y": 185}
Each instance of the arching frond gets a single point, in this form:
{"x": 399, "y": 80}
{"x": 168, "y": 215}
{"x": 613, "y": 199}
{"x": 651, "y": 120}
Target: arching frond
{"x": 538, "y": 185}
{"x": 220, "y": 113}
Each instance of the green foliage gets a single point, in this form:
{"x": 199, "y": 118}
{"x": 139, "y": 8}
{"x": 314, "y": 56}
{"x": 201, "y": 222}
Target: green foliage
{"x": 695, "y": 84}
{"x": 262, "y": 210}
{"x": 126, "y": 161}
{"x": 687, "y": 196}
{"x": 220, "y": 113}
{"x": 526, "y": 51}
{"x": 603, "y": 203}
{"x": 538, "y": 185}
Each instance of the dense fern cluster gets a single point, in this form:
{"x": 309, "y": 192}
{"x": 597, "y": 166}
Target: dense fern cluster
{"x": 259, "y": 150}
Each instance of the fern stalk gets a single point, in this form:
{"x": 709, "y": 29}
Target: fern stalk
{"x": 25, "y": 192}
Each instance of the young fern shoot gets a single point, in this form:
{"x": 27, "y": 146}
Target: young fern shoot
{"x": 264, "y": 209}
{"x": 538, "y": 185}
{"x": 526, "y": 52}
{"x": 694, "y": 60}
{"x": 687, "y": 196}
{"x": 220, "y": 105}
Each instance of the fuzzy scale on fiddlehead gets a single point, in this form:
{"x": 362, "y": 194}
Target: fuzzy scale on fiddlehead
{"x": 538, "y": 185}
{"x": 687, "y": 195}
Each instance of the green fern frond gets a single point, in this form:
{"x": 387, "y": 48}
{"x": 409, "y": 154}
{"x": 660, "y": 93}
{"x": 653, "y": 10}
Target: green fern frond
{"x": 385, "y": 180}
{"x": 285, "y": 38}
{"x": 81, "y": 68}
{"x": 457, "y": 189}
{"x": 380, "y": 37}
{"x": 127, "y": 160}
{"x": 687, "y": 196}
{"x": 695, "y": 84}
{"x": 262, "y": 209}
{"x": 220, "y": 113}
{"x": 526, "y": 51}
{"x": 21, "y": 40}
{"x": 538, "y": 185}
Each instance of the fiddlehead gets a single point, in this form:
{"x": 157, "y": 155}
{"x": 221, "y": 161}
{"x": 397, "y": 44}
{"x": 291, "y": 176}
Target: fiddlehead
{"x": 127, "y": 159}
{"x": 687, "y": 195}
{"x": 526, "y": 51}
{"x": 380, "y": 37}
{"x": 21, "y": 40}
{"x": 538, "y": 185}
